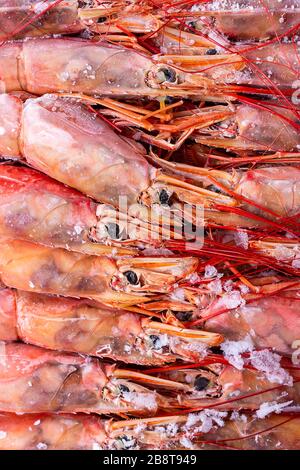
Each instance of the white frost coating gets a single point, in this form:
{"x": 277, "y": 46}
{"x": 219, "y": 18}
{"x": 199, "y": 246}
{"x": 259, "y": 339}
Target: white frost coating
{"x": 3, "y": 434}
{"x": 233, "y": 349}
{"x": 210, "y": 271}
{"x": 271, "y": 407}
{"x": 269, "y": 363}
{"x": 41, "y": 446}
{"x": 241, "y": 239}
{"x": 178, "y": 294}
{"x": 215, "y": 287}
{"x": 141, "y": 400}
{"x": 207, "y": 418}
{"x": 187, "y": 443}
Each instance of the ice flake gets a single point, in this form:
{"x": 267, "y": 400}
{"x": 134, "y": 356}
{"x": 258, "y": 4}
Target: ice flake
{"x": 271, "y": 407}
{"x": 233, "y": 349}
{"x": 269, "y": 363}
{"x": 141, "y": 400}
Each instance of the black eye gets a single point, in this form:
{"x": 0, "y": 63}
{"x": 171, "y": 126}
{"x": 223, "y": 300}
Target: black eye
{"x": 169, "y": 74}
{"x": 155, "y": 341}
{"x": 169, "y": 100}
{"x": 131, "y": 277}
{"x": 216, "y": 350}
{"x": 113, "y": 230}
{"x": 123, "y": 388}
{"x": 183, "y": 316}
{"x": 102, "y": 19}
{"x": 211, "y": 52}
{"x": 164, "y": 197}
{"x": 201, "y": 383}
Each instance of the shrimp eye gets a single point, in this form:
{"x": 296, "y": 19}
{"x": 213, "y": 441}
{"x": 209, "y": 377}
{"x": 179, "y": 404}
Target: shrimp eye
{"x": 169, "y": 100}
{"x": 183, "y": 316}
{"x": 201, "y": 383}
{"x": 102, "y": 19}
{"x": 123, "y": 388}
{"x": 167, "y": 75}
{"x": 164, "y": 197}
{"x": 211, "y": 52}
{"x": 155, "y": 341}
{"x": 131, "y": 277}
{"x": 113, "y": 230}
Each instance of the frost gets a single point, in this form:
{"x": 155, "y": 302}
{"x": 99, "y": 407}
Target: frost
{"x": 41, "y": 446}
{"x": 271, "y": 407}
{"x": 210, "y": 271}
{"x": 215, "y": 287}
{"x": 178, "y": 294}
{"x": 185, "y": 442}
{"x": 241, "y": 239}
{"x": 231, "y": 300}
{"x": 233, "y": 349}
{"x": 141, "y": 400}
{"x": 208, "y": 419}
{"x": 269, "y": 363}
{"x": 3, "y": 434}
{"x": 96, "y": 446}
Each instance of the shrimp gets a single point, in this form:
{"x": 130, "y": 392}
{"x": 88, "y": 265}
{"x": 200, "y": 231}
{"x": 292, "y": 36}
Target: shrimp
{"x": 118, "y": 282}
{"x": 75, "y": 325}
{"x": 250, "y": 128}
{"x": 272, "y": 321}
{"x": 96, "y": 161}
{"x": 36, "y": 380}
{"x": 33, "y": 380}
{"x": 35, "y": 208}
{"x": 253, "y": 20}
{"x": 75, "y": 65}
{"x": 37, "y": 18}
{"x": 246, "y": 21}
{"x": 213, "y": 430}
{"x": 215, "y": 383}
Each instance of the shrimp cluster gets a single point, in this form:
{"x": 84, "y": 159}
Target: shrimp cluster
{"x": 149, "y": 225}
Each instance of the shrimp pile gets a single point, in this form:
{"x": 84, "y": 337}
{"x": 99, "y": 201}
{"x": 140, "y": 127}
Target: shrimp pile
{"x": 149, "y": 225}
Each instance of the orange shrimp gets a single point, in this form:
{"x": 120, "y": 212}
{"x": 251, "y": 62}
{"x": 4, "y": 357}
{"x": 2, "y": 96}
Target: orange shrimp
{"x": 120, "y": 282}
{"x": 80, "y": 326}
{"x": 196, "y": 432}
{"x": 33, "y": 380}
{"x": 35, "y": 208}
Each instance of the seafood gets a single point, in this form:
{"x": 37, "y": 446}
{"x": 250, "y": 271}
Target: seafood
{"x": 240, "y": 20}
{"x": 35, "y": 208}
{"x": 76, "y": 65}
{"x": 77, "y": 325}
{"x": 79, "y": 432}
{"x": 37, "y": 380}
{"x": 271, "y": 321}
{"x": 120, "y": 282}
{"x": 37, "y": 18}
{"x": 84, "y": 160}
{"x": 220, "y": 385}
{"x": 237, "y": 20}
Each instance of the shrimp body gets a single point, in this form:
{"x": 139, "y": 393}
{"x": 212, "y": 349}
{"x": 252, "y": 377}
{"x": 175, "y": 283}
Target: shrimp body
{"x": 79, "y": 432}
{"x": 37, "y": 380}
{"x": 41, "y": 269}
{"x": 223, "y": 386}
{"x": 251, "y": 20}
{"x": 80, "y": 326}
{"x": 35, "y": 208}
{"x": 272, "y": 321}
